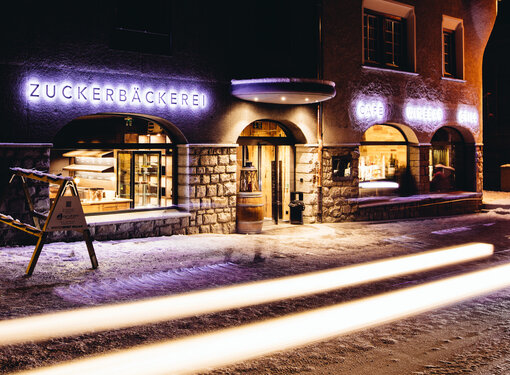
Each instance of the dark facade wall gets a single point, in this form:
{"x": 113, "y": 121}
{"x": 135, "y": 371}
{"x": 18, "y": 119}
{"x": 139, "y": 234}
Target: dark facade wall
{"x": 211, "y": 43}
{"x": 343, "y": 64}
{"x": 496, "y": 80}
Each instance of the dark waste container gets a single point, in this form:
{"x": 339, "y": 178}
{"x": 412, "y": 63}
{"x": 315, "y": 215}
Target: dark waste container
{"x": 297, "y": 207}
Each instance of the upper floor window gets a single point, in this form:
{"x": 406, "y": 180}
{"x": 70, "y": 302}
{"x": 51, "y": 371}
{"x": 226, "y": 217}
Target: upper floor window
{"x": 388, "y": 35}
{"x": 384, "y": 40}
{"x": 453, "y": 47}
{"x": 142, "y": 28}
{"x": 449, "y": 53}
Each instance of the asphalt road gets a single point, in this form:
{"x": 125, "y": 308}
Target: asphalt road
{"x": 468, "y": 337}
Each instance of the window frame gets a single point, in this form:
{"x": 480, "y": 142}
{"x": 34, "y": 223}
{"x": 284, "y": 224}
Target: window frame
{"x": 449, "y": 55}
{"x": 454, "y": 27}
{"x": 390, "y": 10}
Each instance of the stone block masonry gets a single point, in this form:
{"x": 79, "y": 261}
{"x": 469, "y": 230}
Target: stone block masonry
{"x": 307, "y": 164}
{"x": 337, "y": 204}
{"x": 207, "y": 187}
{"x": 12, "y": 198}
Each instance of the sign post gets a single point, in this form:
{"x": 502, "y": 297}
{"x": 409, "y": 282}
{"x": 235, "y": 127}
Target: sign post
{"x": 66, "y": 213}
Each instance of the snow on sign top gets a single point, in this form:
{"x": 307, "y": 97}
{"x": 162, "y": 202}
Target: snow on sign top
{"x": 39, "y": 175}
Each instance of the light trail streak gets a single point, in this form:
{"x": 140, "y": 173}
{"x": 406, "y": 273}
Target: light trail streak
{"x": 85, "y": 320}
{"x": 225, "y": 347}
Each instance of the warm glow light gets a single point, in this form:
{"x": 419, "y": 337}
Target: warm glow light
{"x": 283, "y": 98}
{"x": 225, "y": 347}
{"x": 256, "y": 99}
{"x": 306, "y": 99}
{"x": 123, "y": 315}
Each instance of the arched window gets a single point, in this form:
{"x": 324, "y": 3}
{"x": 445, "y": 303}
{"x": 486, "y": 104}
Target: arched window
{"x": 383, "y": 153}
{"x": 119, "y": 162}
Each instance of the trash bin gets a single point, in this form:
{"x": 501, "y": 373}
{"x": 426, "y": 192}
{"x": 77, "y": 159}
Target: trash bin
{"x": 505, "y": 177}
{"x": 297, "y": 207}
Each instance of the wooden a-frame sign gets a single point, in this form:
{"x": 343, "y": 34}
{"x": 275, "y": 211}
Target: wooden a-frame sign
{"x": 66, "y": 213}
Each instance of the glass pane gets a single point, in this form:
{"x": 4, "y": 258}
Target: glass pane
{"x": 384, "y": 162}
{"x": 124, "y": 175}
{"x": 382, "y": 133}
{"x": 146, "y": 178}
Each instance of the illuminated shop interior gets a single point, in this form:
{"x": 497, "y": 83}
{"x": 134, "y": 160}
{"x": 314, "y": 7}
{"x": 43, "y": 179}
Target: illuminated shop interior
{"x": 118, "y": 162}
{"x": 270, "y": 149}
{"x": 383, "y": 153}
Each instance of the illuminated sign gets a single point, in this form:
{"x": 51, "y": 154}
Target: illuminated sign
{"x": 371, "y": 109}
{"x": 424, "y": 114}
{"x": 132, "y": 95}
{"x": 467, "y": 115}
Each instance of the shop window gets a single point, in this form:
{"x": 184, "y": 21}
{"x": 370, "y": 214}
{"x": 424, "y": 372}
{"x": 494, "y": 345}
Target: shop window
{"x": 141, "y": 28}
{"x": 341, "y": 167}
{"x": 129, "y": 167}
{"x": 453, "y": 48}
{"x": 383, "y": 154}
{"x": 388, "y": 35}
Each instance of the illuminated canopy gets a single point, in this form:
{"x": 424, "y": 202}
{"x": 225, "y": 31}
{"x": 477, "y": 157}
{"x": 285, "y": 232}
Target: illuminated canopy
{"x": 283, "y": 90}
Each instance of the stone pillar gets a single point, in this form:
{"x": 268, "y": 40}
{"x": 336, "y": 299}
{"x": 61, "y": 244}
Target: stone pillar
{"x": 338, "y": 191}
{"x": 207, "y": 186}
{"x": 478, "y": 168}
{"x": 12, "y": 198}
{"x": 307, "y": 165}
{"x": 419, "y": 165}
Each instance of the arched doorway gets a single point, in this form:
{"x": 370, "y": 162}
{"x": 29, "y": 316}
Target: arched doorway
{"x": 120, "y": 161}
{"x": 449, "y": 153}
{"x": 383, "y": 154}
{"x": 269, "y": 146}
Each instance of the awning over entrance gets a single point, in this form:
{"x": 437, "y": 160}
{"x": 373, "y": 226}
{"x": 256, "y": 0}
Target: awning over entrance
{"x": 283, "y": 90}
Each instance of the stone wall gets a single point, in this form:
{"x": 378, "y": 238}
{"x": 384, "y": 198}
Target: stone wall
{"x": 479, "y": 168}
{"x": 336, "y": 203}
{"x": 426, "y": 207}
{"x": 12, "y": 198}
{"x": 307, "y": 165}
{"x": 178, "y": 223}
{"x": 419, "y": 164}
{"x": 207, "y": 187}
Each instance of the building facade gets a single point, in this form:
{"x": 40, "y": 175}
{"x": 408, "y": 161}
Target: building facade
{"x": 154, "y": 111}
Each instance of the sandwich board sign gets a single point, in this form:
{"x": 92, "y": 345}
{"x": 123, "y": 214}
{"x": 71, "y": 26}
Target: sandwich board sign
{"x": 67, "y": 215}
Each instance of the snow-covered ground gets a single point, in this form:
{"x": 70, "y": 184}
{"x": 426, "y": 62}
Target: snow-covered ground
{"x": 469, "y": 337}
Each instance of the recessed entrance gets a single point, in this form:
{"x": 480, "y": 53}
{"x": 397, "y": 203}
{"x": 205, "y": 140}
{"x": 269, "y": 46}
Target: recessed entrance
{"x": 270, "y": 148}
{"x": 450, "y": 154}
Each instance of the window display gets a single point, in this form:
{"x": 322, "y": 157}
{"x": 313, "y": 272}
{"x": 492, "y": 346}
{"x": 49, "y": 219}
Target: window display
{"x": 136, "y": 174}
{"x": 383, "y": 154}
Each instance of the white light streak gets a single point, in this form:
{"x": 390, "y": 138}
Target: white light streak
{"x": 221, "y": 348}
{"x": 378, "y": 185}
{"x": 117, "y": 316}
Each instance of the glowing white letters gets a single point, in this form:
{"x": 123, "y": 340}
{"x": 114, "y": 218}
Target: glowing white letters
{"x": 371, "y": 109}
{"x": 467, "y": 115}
{"x": 423, "y": 113}
{"x": 98, "y": 94}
